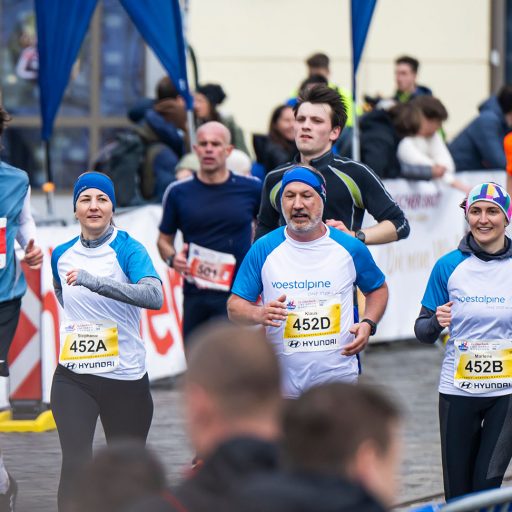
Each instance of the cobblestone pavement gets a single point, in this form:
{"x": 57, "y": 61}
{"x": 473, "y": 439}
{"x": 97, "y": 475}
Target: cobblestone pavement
{"x": 407, "y": 370}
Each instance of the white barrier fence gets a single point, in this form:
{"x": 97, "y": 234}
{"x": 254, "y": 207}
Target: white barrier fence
{"x": 437, "y": 225}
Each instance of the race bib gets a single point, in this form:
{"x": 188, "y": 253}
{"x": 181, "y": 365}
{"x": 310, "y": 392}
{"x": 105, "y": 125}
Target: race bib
{"x": 483, "y": 365}
{"x": 3, "y": 241}
{"x": 210, "y": 269}
{"x": 89, "y": 346}
{"x": 312, "y": 325}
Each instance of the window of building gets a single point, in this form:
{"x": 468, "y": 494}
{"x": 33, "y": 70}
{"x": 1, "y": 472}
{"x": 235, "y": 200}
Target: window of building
{"x": 107, "y": 78}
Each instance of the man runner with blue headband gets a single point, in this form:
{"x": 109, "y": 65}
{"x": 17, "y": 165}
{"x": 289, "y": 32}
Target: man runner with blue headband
{"x": 305, "y": 273}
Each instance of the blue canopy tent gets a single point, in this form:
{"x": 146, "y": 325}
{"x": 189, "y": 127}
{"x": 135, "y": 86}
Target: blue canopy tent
{"x": 61, "y": 28}
{"x": 361, "y": 13}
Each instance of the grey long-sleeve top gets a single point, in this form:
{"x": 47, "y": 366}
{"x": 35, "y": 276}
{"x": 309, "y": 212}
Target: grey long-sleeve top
{"x": 146, "y": 293}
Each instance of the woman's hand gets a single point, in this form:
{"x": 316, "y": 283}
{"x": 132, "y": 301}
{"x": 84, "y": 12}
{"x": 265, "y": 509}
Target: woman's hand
{"x": 444, "y": 314}
{"x": 72, "y": 277}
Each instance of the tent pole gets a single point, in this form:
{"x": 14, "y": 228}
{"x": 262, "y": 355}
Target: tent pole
{"x": 191, "y": 129}
{"x": 356, "y": 147}
{"x": 49, "y": 186}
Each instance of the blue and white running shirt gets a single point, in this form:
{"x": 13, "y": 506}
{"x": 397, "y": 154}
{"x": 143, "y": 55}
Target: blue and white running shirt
{"x": 121, "y": 258}
{"x": 482, "y": 308}
{"x": 317, "y": 278}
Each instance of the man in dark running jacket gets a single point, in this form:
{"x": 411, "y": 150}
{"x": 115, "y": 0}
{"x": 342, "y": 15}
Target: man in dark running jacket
{"x": 352, "y": 187}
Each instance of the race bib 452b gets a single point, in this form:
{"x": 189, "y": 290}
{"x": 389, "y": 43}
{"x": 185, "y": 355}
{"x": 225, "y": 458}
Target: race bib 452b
{"x": 482, "y": 366}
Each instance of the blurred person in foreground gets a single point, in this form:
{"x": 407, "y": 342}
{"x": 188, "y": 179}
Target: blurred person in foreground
{"x": 232, "y": 403}
{"x": 118, "y": 475}
{"x": 341, "y": 452}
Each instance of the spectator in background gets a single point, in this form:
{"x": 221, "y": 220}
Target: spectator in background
{"x": 206, "y": 100}
{"x": 164, "y": 132}
{"x": 186, "y": 167}
{"x": 319, "y": 64}
{"x": 423, "y": 154}
{"x": 278, "y": 147}
{"x": 381, "y": 130}
{"x": 480, "y": 144}
{"x": 305, "y": 85}
{"x": 341, "y": 452}
{"x": 406, "y": 72}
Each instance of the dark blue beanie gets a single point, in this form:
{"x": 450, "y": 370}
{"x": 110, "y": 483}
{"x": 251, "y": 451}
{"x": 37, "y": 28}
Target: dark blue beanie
{"x": 97, "y": 180}
{"x": 305, "y": 175}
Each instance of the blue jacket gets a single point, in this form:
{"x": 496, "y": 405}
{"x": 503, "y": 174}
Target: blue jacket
{"x": 12, "y": 195}
{"x": 480, "y": 144}
{"x": 171, "y": 147}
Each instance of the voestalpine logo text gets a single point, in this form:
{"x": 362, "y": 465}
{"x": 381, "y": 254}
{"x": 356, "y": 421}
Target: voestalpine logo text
{"x": 300, "y": 285}
{"x": 482, "y": 299}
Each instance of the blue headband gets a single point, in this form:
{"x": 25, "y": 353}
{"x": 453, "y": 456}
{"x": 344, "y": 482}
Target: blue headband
{"x": 306, "y": 176}
{"x": 94, "y": 180}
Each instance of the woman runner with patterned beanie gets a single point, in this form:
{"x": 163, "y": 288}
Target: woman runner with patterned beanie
{"x": 470, "y": 293}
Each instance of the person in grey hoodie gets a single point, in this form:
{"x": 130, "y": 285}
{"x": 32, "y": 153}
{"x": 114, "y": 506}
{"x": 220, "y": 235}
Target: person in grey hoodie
{"x": 480, "y": 144}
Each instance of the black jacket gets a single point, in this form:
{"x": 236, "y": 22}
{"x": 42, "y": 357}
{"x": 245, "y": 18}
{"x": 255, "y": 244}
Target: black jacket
{"x": 352, "y": 189}
{"x": 305, "y": 492}
{"x": 216, "y": 485}
{"x": 379, "y": 142}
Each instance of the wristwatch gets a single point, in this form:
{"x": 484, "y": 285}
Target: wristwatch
{"x": 372, "y": 324}
{"x": 170, "y": 260}
{"x": 360, "y": 235}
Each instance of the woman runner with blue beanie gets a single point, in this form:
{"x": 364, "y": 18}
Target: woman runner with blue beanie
{"x": 469, "y": 292}
{"x": 101, "y": 278}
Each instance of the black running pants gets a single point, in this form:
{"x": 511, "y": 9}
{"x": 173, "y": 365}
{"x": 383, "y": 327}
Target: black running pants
{"x": 476, "y": 442}
{"x": 125, "y": 408}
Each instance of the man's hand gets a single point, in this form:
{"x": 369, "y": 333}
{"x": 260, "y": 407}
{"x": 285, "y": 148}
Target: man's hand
{"x": 438, "y": 171}
{"x": 272, "y": 313}
{"x": 33, "y": 255}
{"x": 180, "y": 260}
{"x": 362, "y": 331}
{"x": 444, "y": 314}
{"x": 338, "y": 224}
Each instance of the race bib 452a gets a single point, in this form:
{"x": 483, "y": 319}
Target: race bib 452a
{"x": 89, "y": 346}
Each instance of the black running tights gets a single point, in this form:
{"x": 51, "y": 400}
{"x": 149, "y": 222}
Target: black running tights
{"x": 476, "y": 442}
{"x": 125, "y": 408}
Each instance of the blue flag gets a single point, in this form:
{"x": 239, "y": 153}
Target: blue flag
{"x": 159, "y": 23}
{"x": 61, "y": 27}
{"x": 362, "y": 12}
